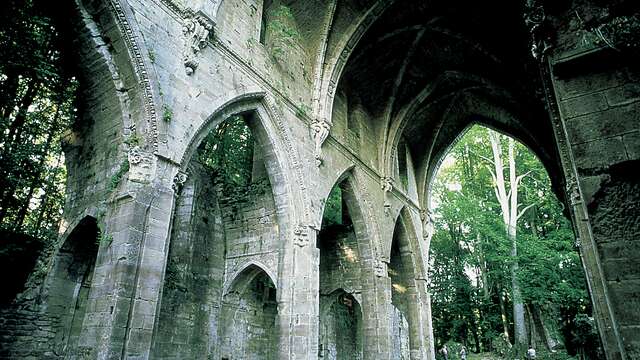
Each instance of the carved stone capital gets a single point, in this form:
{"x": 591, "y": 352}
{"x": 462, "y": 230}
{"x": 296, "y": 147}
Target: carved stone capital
{"x": 135, "y": 155}
{"x": 141, "y": 164}
{"x": 300, "y": 236}
{"x": 535, "y": 18}
{"x": 321, "y": 129}
{"x": 196, "y": 31}
{"x": 380, "y": 268}
{"x": 386, "y": 184}
{"x": 178, "y": 182}
{"x": 427, "y": 224}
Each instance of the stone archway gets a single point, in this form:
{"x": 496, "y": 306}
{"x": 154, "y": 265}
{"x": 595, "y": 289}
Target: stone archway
{"x": 349, "y": 259}
{"x": 340, "y": 331}
{"x": 215, "y": 230}
{"x": 411, "y": 332}
{"x": 69, "y": 283}
{"x": 248, "y": 322}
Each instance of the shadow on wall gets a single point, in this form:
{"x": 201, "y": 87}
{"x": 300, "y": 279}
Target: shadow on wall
{"x": 69, "y": 284}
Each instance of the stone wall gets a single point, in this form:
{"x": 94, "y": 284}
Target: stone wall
{"x": 248, "y": 327}
{"x": 340, "y": 334}
{"x": 596, "y": 90}
{"x": 159, "y": 76}
{"x": 192, "y": 290}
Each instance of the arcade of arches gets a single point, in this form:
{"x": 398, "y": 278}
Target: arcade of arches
{"x": 350, "y": 106}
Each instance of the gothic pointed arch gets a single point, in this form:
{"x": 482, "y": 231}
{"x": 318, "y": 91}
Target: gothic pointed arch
{"x": 249, "y": 327}
{"x": 340, "y": 334}
{"x": 67, "y": 288}
{"x": 218, "y": 223}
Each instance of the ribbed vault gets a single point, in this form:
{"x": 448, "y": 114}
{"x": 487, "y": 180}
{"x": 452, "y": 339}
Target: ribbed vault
{"x": 424, "y": 71}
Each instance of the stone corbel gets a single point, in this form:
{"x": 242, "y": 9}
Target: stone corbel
{"x": 535, "y": 18}
{"x": 300, "y": 236}
{"x": 320, "y": 128}
{"x": 427, "y": 224}
{"x": 196, "y": 30}
{"x": 386, "y": 184}
{"x": 141, "y": 164}
{"x": 178, "y": 182}
{"x": 380, "y": 268}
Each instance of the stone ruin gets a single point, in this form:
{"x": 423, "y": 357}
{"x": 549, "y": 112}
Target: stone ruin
{"x": 361, "y": 95}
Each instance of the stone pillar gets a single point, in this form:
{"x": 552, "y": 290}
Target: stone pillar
{"x": 595, "y": 110}
{"x": 376, "y": 310}
{"x": 423, "y": 301}
{"x": 298, "y": 300}
{"x": 128, "y": 276}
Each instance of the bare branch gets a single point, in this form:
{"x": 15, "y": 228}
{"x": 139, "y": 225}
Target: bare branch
{"x": 493, "y": 175}
{"x": 524, "y": 210}
{"x": 520, "y": 177}
{"x": 484, "y": 158}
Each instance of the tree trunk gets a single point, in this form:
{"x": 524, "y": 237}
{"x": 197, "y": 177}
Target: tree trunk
{"x": 37, "y": 178}
{"x": 520, "y": 330}
{"x": 15, "y": 127}
{"x": 503, "y": 314}
{"x": 8, "y": 95}
{"x": 21, "y": 115}
{"x": 509, "y": 207}
{"x": 543, "y": 328}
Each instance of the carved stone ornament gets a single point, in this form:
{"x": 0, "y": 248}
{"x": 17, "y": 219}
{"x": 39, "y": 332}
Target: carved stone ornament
{"x": 427, "y": 224}
{"x": 386, "y": 184}
{"x": 380, "y": 268}
{"x": 135, "y": 155}
{"x": 321, "y": 130}
{"x": 535, "y": 19}
{"x": 300, "y": 236}
{"x": 178, "y": 182}
{"x": 196, "y": 30}
{"x": 573, "y": 192}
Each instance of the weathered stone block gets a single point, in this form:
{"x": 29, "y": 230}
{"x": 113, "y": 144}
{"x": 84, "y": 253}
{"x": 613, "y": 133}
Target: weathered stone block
{"x": 582, "y": 105}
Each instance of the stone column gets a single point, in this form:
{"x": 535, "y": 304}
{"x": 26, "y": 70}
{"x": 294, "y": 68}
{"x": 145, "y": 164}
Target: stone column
{"x": 298, "y": 300}
{"x": 595, "y": 115}
{"x": 376, "y": 310}
{"x": 128, "y": 276}
{"x": 423, "y": 301}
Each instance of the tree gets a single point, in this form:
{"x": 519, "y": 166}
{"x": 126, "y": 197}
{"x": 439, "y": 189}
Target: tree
{"x": 38, "y": 91}
{"x": 509, "y": 210}
{"x": 471, "y": 272}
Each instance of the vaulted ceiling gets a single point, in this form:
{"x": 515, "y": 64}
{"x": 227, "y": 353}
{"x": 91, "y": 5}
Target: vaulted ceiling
{"x": 430, "y": 68}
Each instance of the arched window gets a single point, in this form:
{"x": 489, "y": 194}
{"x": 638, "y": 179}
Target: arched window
{"x": 266, "y": 5}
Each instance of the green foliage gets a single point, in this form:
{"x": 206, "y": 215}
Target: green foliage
{"x": 104, "y": 240}
{"x": 470, "y": 253}
{"x": 167, "y": 113}
{"x": 282, "y": 31}
{"x": 303, "y": 110}
{"x": 134, "y": 140}
{"x": 38, "y": 91}
{"x": 227, "y": 154}
{"x": 117, "y": 177}
{"x": 333, "y": 208}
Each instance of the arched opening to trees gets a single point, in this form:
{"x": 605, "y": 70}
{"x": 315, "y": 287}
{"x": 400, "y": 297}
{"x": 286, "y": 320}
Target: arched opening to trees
{"x": 225, "y": 211}
{"x": 69, "y": 284}
{"x": 340, "y": 279}
{"x": 249, "y": 313}
{"x": 504, "y": 265}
